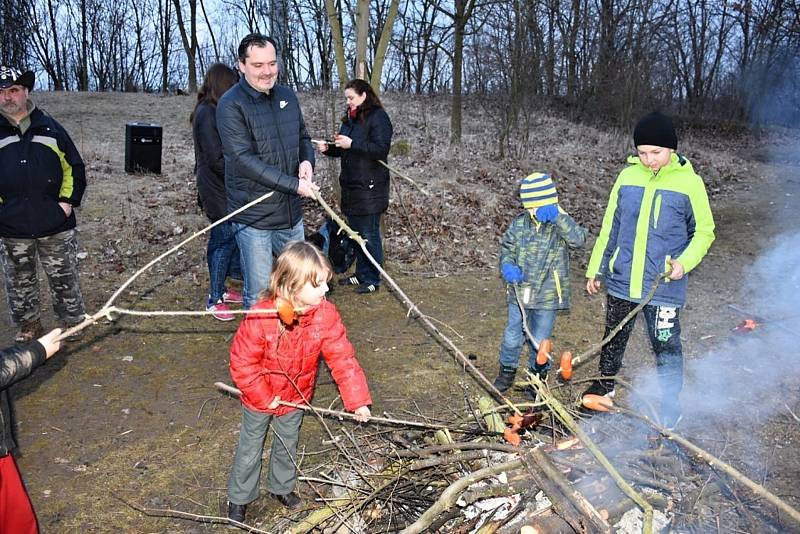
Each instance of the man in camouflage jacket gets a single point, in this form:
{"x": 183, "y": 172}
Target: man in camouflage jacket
{"x": 42, "y": 180}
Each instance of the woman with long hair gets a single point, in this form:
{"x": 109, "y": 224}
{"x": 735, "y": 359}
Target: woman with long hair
{"x": 363, "y": 141}
{"x": 222, "y": 253}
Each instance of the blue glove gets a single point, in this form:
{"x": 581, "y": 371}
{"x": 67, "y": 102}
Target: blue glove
{"x": 547, "y": 213}
{"x": 511, "y": 273}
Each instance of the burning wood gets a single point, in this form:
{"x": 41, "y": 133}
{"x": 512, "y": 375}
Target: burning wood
{"x": 746, "y": 326}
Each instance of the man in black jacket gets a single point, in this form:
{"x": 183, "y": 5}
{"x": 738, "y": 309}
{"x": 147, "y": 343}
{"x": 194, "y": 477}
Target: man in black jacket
{"x": 267, "y": 152}
{"x": 16, "y": 510}
{"x": 42, "y": 179}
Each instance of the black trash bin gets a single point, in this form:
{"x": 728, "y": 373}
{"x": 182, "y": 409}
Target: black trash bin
{"x": 143, "y": 147}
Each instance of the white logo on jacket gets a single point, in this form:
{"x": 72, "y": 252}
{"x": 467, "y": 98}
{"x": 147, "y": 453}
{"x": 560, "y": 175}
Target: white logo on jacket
{"x": 283, "y": 104}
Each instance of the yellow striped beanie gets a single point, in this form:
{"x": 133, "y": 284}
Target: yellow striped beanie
{"x": 537, "y": 190}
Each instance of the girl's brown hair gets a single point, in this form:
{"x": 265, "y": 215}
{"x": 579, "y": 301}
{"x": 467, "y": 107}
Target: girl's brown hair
{"x": 371, "y": 102}
{"x": 218, "y": 79}
{"x": 300, "y": 262}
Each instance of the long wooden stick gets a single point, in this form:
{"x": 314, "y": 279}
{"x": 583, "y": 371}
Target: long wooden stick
{"x": 715, "y": 462}
{"x": 414, "y": 311}
{"x": 593, "y": 351}
{"x": 107, "y": 308}
{"x": 373, "y": 419}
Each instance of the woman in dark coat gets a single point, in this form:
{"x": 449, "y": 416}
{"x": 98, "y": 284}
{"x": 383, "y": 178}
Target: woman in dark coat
{"x": 363, "y": 141}
{"x": 222, "y": 253}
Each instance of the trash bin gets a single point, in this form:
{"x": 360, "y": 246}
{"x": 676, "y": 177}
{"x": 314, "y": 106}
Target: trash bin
{"x": 143, "y": 147}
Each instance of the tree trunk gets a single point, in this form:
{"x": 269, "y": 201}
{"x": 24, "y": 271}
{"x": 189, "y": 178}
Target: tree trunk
{"x": 189, "y": 40}
{"x": 362, "y": 32}
{"x": 338, "y": 41}
{"x": 383, "y": 45}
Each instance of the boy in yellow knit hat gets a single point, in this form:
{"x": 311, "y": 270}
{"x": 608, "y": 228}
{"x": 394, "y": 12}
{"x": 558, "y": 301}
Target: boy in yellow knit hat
{"x": 534, "y": 263}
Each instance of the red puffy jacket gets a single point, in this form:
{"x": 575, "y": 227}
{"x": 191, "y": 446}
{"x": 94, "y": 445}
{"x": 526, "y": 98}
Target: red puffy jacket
{"x": 268, "y": 359}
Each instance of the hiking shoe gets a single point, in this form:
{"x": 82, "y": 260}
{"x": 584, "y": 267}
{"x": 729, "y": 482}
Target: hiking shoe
{"x": 505, "y": 378}
{"x": 236, "y": 512}
{"x": 231, "y": 296}
{"x": 221, "y": 311}
{"x": 367, "y": 288}
{"x": 290, "y": 500}
{"x": 349, "y": 281}
{"x": 29, "y": 331}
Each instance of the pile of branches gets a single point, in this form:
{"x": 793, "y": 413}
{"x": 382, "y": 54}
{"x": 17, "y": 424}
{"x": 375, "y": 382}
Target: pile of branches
{"x": 469, "y": 479}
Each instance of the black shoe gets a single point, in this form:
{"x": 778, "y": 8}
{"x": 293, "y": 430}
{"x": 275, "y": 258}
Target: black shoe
{"x": 604, "y": 388}
{"x": 367, "y": 288}
{"x": 349, "y": 281}
{"x": 505, "y": 378}
{"x": 236, "y": 512}
{"x": 531, "y": 394}
{"x": 290, "y": 500}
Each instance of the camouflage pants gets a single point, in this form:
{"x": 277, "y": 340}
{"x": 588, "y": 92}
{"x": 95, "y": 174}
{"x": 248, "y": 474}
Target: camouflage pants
{"x": 59, "y": 257}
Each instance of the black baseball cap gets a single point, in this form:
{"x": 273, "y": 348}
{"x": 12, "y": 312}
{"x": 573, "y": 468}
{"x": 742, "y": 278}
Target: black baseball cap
{"x": 10, "y": 76}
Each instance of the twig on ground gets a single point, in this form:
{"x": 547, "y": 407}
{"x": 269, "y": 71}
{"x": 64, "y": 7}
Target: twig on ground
{"x": 178, "y": 514}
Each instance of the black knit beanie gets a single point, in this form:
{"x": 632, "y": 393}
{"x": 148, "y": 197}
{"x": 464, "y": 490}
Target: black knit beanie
{"x": 655, "y": 129}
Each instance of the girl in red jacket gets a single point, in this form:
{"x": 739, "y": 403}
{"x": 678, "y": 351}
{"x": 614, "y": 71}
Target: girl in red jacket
{"x": 274, "y": 359}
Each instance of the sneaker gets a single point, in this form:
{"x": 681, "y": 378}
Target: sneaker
{"x": 505, "y": 378}
{"x": 236, "y": 512}
{"x": 367, "y": 288}
{"x": 29, "y": 331}
{"x": 349, "y": 281}
{"x": 221, "y": 311}
{"x": 290, "y": 500}
{"x": 231, "y": 296}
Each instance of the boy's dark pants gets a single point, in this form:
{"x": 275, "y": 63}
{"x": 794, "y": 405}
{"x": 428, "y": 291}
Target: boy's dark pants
{"x": 246, "y": 470}
{"x": 664, "y": 330}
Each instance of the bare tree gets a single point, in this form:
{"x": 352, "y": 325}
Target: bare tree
{"x": 189, "y": 39}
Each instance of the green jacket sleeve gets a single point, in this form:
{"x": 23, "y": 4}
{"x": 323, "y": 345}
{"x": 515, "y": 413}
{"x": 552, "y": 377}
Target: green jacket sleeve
{"x": 596, "y": 263}
{"x": 703, "y": 228}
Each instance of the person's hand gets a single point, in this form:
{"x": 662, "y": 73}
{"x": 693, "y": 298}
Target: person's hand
{"x": 306, "y": 188}
{"x": 547, "y": 213}
{"x": 592, "y": 286}
{"x": 511, "y": 273}
{"x": 306, "y": 170}
{"x": 677, "y": 271}
{"x": 67, "y": 207}
{"x": 342, "y": 141}
{"x": 275, "y": 403}
{"x": 49, "y": 343}
{"x": 321, "y": 146}
{"x": 362, "y": 414}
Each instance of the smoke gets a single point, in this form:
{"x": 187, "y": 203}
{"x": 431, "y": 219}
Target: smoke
{"x": 750, "y": 375}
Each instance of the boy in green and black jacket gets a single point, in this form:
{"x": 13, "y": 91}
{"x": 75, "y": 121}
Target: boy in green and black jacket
{"x": 534, "y": 262}
{"x": 658, "y": 220}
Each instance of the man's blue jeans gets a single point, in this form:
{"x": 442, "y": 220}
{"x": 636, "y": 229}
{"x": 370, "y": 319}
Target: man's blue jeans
{"x": 540, "y": 323}
{"x": 369, "y": 228}
{"x": 256, "y": 249}
{"x": 223, "y": 259}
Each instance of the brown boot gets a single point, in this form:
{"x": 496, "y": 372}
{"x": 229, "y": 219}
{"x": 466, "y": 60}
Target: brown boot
{"x": 29, "y": 331}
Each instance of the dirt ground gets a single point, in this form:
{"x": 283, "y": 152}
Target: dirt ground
{"x": 129, "y": 414}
